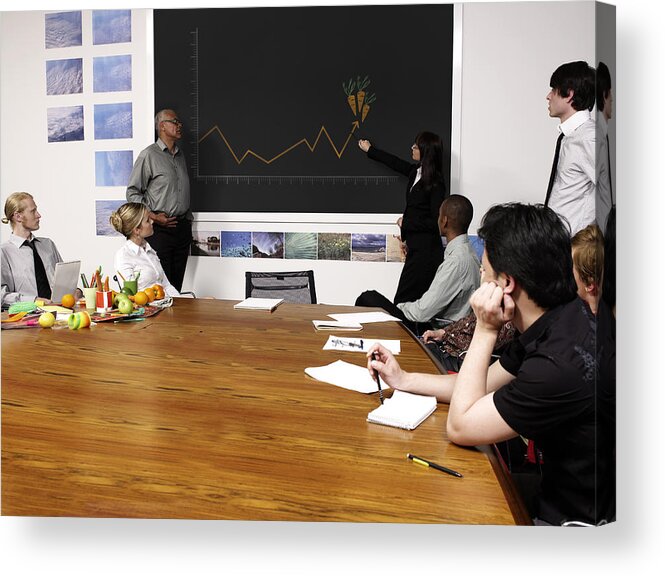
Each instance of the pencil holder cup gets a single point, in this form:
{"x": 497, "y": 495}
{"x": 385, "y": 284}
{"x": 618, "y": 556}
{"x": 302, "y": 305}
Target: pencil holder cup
{"x": 131, "y": 286}
{"x": 90, "y": 297}
{"x": 104, "y": 301}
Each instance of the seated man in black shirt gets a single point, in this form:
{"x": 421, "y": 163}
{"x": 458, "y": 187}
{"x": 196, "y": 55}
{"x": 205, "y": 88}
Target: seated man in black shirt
{"x": 554, "y": 384}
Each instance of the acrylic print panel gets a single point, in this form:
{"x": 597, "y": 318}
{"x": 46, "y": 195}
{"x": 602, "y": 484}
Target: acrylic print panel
{"x": 237, "y": 244}
{"x": 63, "y": 29}
{"x": 111, "y": 26}
{"x": 205, "y": 243}
{"x": 267, "y": 245}
{"x": 112, "y": 73}
{"x": 113, "y": 167}
{"x": 113, "y": 121}
{"x": 64, "y": 76}
{"x": 64, "y": 124}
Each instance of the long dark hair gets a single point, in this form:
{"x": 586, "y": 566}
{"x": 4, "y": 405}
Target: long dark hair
{"x": 431, "y": 158}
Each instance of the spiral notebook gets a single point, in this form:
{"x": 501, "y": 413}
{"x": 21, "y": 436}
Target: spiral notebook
{"x": 403, "y": 410}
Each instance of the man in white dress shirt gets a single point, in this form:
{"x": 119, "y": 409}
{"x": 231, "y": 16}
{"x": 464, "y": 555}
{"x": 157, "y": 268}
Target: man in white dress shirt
{"x": 28, "y": 262}
{"x": 572, "y": 189}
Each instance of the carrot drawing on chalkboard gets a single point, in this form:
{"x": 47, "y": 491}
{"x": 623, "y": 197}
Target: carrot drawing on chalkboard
{"x": 366, "y": 105}
{"x": 360, "y": 91}
{"x": 350, "y": 96}
{"x": 357, "y": 97}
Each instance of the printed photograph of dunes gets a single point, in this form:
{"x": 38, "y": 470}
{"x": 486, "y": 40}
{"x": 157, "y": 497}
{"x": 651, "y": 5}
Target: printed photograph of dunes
{"x": 368, "y": 247}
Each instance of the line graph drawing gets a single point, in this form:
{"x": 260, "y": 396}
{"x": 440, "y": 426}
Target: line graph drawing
{"x": 302, "y": 141}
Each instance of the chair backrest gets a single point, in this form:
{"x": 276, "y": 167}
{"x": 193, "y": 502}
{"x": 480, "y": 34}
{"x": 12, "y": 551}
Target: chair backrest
{"x": 295, "y": 287}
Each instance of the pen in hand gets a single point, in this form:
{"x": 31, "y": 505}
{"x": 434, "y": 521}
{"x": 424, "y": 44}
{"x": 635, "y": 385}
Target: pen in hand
{"x": 378, "y": 379}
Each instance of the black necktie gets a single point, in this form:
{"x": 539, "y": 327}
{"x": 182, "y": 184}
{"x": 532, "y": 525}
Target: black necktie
{"x": 609, "y": 167}
{"x": 554, "y": 165}
{"x": 43, "y": 288}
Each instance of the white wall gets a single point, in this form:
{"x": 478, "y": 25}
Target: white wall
{"x": 506, "y": 139}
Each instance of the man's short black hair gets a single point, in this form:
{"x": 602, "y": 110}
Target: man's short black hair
{"x": 459, "y": 210}
{"x": 530, "y": 243}
{"x": 603, "y": 84}
{"x": 578, "y": 77}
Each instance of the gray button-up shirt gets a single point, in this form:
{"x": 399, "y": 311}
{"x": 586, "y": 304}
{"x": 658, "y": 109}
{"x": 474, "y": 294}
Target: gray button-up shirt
{"x": 159, "y": 180}
{"x": 457, "y": 277}
{"x": 18, "y": 268}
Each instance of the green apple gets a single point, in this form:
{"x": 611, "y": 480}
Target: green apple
{"x": 125, "y": 306}
{"x": 74, "y": 321}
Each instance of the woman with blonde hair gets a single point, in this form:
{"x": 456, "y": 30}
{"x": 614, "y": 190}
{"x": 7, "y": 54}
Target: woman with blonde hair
{"x": 136, "y": 259}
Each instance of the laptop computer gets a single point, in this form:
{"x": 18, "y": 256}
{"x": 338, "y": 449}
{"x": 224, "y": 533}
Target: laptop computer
{"x": 65, "y": 279}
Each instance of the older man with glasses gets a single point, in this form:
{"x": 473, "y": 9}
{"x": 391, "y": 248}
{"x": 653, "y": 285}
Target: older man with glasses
{"x": 161, "y": 182}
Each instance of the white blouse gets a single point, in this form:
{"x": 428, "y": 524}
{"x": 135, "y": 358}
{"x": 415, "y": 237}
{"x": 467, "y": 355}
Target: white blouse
{"x": 132, "y": 259}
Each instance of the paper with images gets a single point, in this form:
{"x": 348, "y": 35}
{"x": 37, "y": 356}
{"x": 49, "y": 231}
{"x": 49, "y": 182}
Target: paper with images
{"x": 360, "y": 344}
{"x": 346, "y": 375}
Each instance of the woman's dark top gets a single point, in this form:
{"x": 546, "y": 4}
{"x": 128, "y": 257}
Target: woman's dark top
{"x": 420, "y": 228}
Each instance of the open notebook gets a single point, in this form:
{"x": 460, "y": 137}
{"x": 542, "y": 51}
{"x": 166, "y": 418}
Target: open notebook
{"x": 403, "y": 410}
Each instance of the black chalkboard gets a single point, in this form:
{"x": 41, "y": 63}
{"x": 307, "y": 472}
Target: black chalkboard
{"x": 263, "y": 95}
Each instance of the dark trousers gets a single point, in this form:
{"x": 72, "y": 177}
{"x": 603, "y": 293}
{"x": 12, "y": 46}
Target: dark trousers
{"x": 172, "y": 246}
{"x": 374, "y": 299}
{"x": 419, "y": 269}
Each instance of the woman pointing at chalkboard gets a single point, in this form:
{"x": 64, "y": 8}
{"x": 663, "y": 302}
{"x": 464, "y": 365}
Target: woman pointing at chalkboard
{"x": 419, "y": 226}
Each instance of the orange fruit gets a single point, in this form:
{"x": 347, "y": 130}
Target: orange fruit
{"x": 140, "y": 298}
{"x": 159, "y": 291}
{"x": 68, "y": 301}
{"x": 150, "y": 293}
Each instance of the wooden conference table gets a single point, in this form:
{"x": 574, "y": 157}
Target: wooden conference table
{"x": 203, "y": 411}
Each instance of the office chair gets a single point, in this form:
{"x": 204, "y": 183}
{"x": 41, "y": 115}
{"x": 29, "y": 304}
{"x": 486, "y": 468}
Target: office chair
{"x": 295, "y": 287}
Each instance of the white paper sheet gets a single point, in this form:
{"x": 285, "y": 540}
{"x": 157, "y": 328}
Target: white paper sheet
{"x": 365, "y": 317}
{"x": 360, "y": 344}
{"x": 346, "y": 375}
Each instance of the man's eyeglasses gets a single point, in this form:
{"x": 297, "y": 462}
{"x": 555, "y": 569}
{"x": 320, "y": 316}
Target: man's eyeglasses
{"x": 174, "y": 121}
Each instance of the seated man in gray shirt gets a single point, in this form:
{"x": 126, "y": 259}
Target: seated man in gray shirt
{"x": 28, "y": 262}
{"x": 457, "y": 277}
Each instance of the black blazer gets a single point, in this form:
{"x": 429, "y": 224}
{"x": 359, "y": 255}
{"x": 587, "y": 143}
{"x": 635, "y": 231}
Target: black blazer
{"x": 420, "y": 220}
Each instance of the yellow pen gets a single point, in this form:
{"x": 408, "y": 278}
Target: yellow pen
{"x": 424, "y": 462}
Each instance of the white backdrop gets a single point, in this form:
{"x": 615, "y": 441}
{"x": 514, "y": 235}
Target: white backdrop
{"x": 634, "y": 544}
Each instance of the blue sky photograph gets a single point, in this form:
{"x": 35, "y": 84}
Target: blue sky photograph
{"x": 63, "y": 29}
{"x": 64, "y": 76}
{"x": 112, "y": 168}
{"x": 113, "y": 121}
{"x": 112, "y": 73}
{"x": 111, "y": 26}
